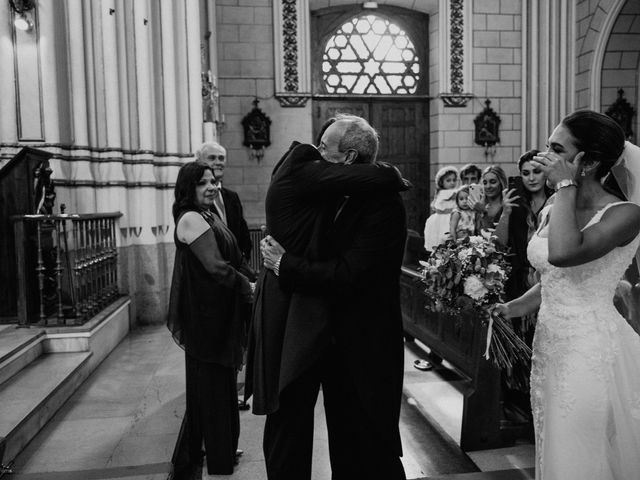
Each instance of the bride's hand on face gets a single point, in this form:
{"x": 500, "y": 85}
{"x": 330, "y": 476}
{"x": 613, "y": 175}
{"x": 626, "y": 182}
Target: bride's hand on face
{"x": 557, "y": 168}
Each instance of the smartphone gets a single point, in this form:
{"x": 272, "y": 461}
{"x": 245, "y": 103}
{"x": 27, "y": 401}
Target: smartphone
{"x": 476, "y": 193}
{"x": 515, "y": 183}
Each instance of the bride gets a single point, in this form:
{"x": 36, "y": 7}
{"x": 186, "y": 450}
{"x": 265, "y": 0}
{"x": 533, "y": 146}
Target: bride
{"x": 585, "y": 378}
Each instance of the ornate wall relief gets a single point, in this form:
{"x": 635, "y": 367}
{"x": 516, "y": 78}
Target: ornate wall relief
{"x": 455, "y": 52}
{"x": 291, "y": 42}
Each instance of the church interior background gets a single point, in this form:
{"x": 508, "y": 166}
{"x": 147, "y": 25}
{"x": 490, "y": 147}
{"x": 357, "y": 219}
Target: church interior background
{"x": 111, "y": 97}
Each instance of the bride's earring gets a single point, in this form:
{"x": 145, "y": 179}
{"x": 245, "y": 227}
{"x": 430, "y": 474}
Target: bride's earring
{"x": 583, "y": 173}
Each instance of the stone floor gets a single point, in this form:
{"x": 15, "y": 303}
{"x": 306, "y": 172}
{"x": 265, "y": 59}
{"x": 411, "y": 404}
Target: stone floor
{"x": 124, "y": 420}
{"x": 121, "y": 423}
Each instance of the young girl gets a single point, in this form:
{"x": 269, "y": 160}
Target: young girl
{"x": 463, "y": 218}
{"x": 437, "y": 225}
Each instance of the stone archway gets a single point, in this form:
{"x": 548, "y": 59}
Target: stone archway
{"x": 592, "y": 43}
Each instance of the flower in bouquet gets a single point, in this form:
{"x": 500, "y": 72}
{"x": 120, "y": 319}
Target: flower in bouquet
{"x": 474, "y": 287}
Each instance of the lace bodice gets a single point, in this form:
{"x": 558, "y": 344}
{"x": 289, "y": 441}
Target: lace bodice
{"x": 571, "y": 289}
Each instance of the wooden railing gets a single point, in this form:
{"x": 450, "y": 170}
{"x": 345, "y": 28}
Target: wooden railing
{"x": 67, "y": 266}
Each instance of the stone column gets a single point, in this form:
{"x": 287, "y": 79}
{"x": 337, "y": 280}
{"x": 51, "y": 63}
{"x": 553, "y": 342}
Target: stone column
{"x": 548, "y": 85}
{"x": 194, "y": 73}
{"x": 143, "y": 75}
{"x": 108, "y": 15}
{"x": 8, "y": 119}
{"x": 169, "y": 76}
{"x": 78, "y": 86}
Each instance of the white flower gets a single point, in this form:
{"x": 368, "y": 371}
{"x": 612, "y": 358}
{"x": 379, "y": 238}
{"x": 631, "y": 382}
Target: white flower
{"x": 476, "y": 240}
{"x": 474, "y": 287}
{"x": 423, "y": 263}
{"x": 493, "y": 268}
{"x": 464, "y": 254}
{"x": 487, "y": 233}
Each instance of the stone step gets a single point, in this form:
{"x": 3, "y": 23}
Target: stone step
{"x": 31, "y": 397}
{"x": 514, "y": 474}
{"x": 18, "y": 348}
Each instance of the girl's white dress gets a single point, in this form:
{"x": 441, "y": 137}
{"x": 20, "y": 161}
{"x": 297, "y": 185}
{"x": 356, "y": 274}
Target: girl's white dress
{"x": 466, "y": 224}
{"x": 585, "y": 377}
{"x": 436, "y": 227}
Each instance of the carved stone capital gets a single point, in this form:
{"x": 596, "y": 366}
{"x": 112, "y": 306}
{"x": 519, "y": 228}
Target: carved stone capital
{"x": 455, "y": 99}
{"x": 293, "y": 100}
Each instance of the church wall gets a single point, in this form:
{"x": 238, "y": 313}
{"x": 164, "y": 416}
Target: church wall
{"x": 245, "y": 72}
{"x": 496, "y": 70}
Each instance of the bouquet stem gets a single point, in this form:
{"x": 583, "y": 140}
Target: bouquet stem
{"x": 505, "y": 347}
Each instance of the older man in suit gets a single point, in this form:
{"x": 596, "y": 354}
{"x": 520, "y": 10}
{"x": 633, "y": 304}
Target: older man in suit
{"x": 304, "y": 330}
{"x": 227, "y": 204}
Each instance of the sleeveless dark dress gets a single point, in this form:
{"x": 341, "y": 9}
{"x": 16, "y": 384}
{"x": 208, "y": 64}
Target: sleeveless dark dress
{"x": 208, "y": 320}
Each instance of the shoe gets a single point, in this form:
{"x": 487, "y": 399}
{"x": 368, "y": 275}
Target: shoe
{"x": 242, "y": 405}
{"x": 422, "y": 365}
{"x": 239, "y": 453}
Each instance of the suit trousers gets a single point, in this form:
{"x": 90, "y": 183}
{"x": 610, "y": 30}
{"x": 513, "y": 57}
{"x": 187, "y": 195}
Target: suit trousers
{"x": 356, "y": 449}
{"x": 212, "y": 414}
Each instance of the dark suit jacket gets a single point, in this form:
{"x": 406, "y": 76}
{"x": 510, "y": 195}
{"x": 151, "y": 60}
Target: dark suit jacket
{"x": 368, "y": 239}
{"x": 236, "y": 222}
{"x": 289, "y": 332}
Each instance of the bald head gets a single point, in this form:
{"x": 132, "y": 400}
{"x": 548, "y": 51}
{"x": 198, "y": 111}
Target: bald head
{"x": 214, "y": 155}
{"x": 350, "y": 139}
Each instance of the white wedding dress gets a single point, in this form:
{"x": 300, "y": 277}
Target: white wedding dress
{"x": 585, "y": 376}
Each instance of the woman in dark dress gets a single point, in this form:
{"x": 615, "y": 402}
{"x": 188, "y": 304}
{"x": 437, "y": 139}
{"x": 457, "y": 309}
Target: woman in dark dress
{"x": 209, "y": 308}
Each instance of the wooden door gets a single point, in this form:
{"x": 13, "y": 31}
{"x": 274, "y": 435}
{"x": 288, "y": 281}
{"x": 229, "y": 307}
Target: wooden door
{"x": 404, "y": 141}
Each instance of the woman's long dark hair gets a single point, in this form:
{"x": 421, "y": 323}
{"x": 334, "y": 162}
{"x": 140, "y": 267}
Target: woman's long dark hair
{"x": 601, "y": 139}
{"x": 527, "y": 157}
{"x": 185, "y": 190}
{"x": 532, "y": 219}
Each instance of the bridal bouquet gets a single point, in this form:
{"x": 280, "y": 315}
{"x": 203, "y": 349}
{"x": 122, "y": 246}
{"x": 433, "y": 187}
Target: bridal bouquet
{"x": 470, "y": 273}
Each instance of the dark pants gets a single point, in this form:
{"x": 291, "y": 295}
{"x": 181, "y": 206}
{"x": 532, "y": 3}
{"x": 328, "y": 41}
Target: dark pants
{"x": 212, "y": 414}
{"x": 356, "y": 449}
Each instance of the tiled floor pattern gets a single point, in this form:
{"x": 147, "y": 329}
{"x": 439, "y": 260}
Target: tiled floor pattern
{"x": 123, "y": 423}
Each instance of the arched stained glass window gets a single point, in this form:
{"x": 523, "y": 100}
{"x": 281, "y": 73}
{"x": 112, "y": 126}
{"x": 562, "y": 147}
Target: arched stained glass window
{"x": 370, "y": 55}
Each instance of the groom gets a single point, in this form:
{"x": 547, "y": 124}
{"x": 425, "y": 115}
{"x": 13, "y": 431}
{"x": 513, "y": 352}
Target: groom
{"x": 338, "y": 308}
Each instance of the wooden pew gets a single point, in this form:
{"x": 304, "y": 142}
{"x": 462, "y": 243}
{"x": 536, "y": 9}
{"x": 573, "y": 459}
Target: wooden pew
{"x": 460, "y": 341}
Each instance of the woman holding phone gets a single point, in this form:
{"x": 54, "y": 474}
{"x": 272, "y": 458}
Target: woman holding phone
{"x": 524, "y": 199}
